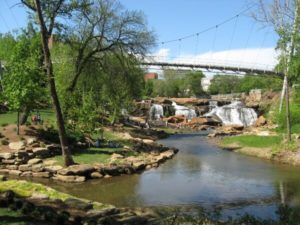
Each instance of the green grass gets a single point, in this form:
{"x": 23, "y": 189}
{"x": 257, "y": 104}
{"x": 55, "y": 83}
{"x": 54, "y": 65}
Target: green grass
{"x": 91, "y": 156}
{"x": 26, "y": 189}
{"x": 253, "y": 141}
{"x": 11, "y": 117}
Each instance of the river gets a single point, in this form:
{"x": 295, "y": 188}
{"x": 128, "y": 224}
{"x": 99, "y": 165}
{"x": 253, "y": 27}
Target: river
{"x": 200, "y": 175}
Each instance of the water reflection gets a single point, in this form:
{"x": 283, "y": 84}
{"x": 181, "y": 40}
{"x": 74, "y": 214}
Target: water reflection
{"x": 200, "y": 175}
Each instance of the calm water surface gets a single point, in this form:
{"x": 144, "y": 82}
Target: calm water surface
{"x": 200, "y": 175}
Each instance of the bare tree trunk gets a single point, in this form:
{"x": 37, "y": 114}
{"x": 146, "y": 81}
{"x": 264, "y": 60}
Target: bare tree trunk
{"x": 18, "y": 122}
{"x": 48, "y": 63}
{"x": 288, "y": 116}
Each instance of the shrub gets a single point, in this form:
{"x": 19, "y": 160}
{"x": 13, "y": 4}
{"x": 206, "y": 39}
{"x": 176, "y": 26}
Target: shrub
{"x": 4, "y": 142}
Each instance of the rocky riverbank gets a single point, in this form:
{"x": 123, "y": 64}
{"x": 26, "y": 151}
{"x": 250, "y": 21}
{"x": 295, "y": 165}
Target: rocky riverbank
{"x": 45, "y": 204}
{"x": 32, "y": 157}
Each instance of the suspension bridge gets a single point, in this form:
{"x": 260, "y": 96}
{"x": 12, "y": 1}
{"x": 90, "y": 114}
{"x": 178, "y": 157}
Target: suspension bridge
{"x": 209, "y": 64}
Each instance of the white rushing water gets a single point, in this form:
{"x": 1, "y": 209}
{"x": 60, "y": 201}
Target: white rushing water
{"x": 156, "y": 112}
{"x": 183, "y": 110}
{"x": 234, "y": 114}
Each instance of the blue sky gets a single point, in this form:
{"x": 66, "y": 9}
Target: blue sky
{"x": 172, "y": 19}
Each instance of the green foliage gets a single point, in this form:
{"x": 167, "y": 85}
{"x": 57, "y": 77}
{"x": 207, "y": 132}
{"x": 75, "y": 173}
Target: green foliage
{"x": 149, "y": 88}
{"x": 179, "y": 84}
{"x": 7, "y": 43}
{"x": 24, "y": 83}
{"x": 226, "y": 84}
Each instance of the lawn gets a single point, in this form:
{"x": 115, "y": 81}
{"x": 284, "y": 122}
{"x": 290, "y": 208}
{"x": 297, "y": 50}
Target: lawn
{"x": 91, "y": 155}
{"x": 47, "y": 115}
{"x": 253, "y": 141}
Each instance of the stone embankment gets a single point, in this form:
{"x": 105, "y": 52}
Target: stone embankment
{"x": 29, "y": 159}
{"x": 45, "y": 204}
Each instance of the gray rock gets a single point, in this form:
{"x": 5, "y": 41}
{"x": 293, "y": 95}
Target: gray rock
{"x": 4, "y": 171}
{"x": 96, "y": 175}
{"x": 21, "y": 154}
{"x": 41, "y": 174}
{"x": 39, "y": 196}
{"x": 8, "y": 161}
{"x": 14, "y": 172}
{"x": 34, "y": 161}
{"x": 139, "y": 165}
{"x": 38, "y": 167}
{"x": 19, "y": 145}
{"x": 79, "y": 170}
{"x": 69, "y": 179}
{"x": 41, "y": 152}
{"x": 12, "y": 167}
{"x": 6, "y": 155}
{"x": 53, "y": 169}
{"x": 168, "y": 154}
{"x": 25, "y": 167}
{"x": 112, "y": 170}
{"x": 26, "y": 174}
{"x": 31, "y": 140}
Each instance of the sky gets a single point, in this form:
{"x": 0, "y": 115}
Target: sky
{"x": 241, "y": 41}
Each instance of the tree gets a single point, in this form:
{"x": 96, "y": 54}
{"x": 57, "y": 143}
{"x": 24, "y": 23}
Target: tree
{"x": 47, "y": 13}
{"x": 194, "y": 83}
{"x": 123, "y": 82}
{"x": 104, "y": 28}
{"x": 23, "y": 81}
{"x": 224, "y": 84}
{"x": 284, "y": 17}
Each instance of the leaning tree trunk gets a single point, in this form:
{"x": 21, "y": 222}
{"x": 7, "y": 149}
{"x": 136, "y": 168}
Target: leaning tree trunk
{"x": 49, "y": 68}
{"x": 24, "y": 115}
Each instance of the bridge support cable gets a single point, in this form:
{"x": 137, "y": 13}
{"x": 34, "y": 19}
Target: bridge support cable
{"x": 213, "y": 44}
{"x": 232, "y": 35}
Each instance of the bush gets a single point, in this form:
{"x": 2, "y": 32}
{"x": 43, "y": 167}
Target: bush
{"x": 4, "y": 142}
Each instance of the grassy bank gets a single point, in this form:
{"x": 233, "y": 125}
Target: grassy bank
{"x": 91, "y": 155}
{"x": 266, "y": 147}
{"x": 253, "y": 141}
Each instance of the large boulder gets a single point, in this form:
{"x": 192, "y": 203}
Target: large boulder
{"x": 17, "y": 146}
{"x": 69, "y": 179}
{"x": 204, "y": 121}
{"x": 261, "y": 121}
{"x": 79, "y": 170}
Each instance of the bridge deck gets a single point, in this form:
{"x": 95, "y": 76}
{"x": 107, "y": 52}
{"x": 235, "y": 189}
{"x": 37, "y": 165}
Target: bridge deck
{"x": 213, "y": 67}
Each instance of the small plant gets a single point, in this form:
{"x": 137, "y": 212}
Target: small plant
{"x": 22, "y": 139}
{"x": 4, "y": 124}
{"x": 1, "y": 135}
{"x": 4, "y": 142}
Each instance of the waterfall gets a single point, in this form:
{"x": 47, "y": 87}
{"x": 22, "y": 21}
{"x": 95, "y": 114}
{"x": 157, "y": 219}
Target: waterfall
{"x": 234, "y": 114}
{"x": 183, "y": 110}
{"x": 156, "y": 112}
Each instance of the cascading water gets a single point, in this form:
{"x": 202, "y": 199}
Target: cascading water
{"x": 234, "y": 114}
{"x": 156, "y": 112}
{"x": 182, "y": 110}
